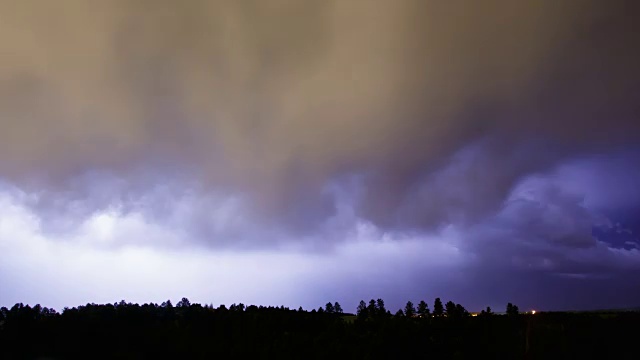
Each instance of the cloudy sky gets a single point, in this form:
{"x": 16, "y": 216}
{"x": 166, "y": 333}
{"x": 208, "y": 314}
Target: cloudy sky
{"x": 298, "y": 152}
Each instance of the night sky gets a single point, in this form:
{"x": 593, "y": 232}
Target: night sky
{"x": 299, "y": 152}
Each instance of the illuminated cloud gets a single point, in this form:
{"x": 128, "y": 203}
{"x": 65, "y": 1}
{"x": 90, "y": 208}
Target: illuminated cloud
{"x": 155, "y": 140}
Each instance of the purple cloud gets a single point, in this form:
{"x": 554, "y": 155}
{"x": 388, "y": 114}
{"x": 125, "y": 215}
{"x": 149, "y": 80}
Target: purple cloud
{"x": 230, "y": 151}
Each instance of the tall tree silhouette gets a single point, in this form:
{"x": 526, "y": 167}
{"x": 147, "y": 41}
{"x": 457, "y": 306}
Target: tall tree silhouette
{"x": 450, "y": 308}
{"x": 380, "y": 309}
{"x": 423, "y": 309}
{"x": 338, "y": 308}
{"x": 461, "y": 311}
{"x": 372, "y": 308}
{"x": 362, "y": 312}
{"x": 409, "y": 309}
{"x": 328, "y": 308}
{"x": 438, "y": 309}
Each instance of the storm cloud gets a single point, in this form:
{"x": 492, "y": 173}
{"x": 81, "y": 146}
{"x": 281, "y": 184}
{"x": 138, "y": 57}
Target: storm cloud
{"x": 500, "y": 131}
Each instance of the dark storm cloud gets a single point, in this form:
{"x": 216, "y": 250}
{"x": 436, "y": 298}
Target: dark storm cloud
{"x": 321, "y": 150}
{"x": 438, "y": 108}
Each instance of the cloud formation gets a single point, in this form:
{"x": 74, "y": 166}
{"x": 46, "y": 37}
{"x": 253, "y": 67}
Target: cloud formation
{"x": 274, "y": 100}
{"x": 257, "y": 126}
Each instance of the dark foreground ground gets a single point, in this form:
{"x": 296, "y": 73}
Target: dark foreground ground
{"x": 131, "y": 331}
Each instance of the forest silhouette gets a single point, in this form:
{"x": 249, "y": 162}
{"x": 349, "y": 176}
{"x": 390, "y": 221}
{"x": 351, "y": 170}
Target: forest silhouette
{"x": 190, "y": 330}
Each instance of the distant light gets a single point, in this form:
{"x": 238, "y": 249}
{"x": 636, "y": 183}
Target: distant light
{"x": 533, "y": 312}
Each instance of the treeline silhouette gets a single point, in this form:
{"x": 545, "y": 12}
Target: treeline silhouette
{"x": 188, "y": 330}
